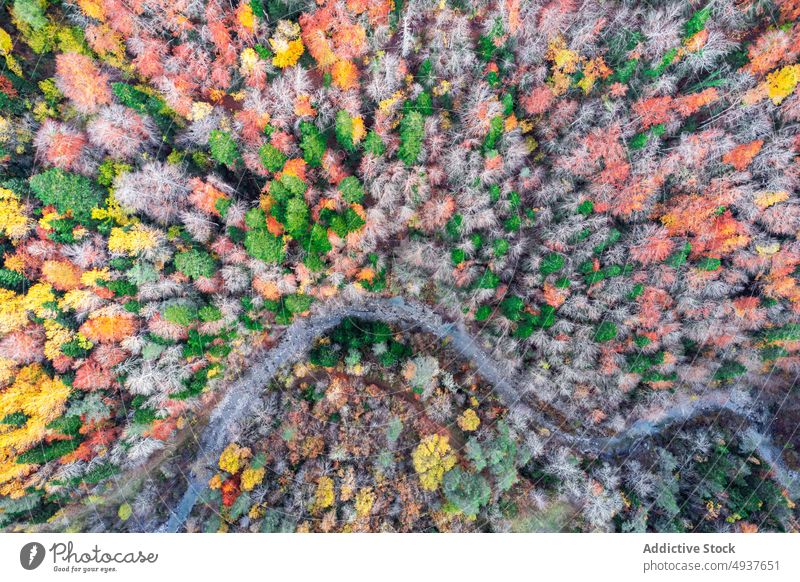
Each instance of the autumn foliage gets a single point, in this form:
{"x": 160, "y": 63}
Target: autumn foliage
{"x": 604, "y": 195}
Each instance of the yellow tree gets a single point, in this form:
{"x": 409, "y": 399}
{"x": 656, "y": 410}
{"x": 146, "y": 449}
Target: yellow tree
{"x": 432, "y": 459}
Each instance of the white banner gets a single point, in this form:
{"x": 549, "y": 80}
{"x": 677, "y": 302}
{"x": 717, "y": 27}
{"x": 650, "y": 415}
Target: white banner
{"x": 329, "y": 558}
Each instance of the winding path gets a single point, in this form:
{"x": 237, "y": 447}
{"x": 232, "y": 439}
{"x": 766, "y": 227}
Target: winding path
{"x": 300, "y": 335}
